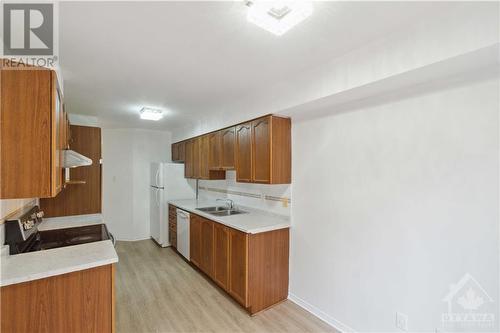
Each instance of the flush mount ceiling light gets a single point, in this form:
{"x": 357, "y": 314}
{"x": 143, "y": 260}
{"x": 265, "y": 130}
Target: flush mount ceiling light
{"x": 151, "y": 114}
{"x": 278, "y": 16}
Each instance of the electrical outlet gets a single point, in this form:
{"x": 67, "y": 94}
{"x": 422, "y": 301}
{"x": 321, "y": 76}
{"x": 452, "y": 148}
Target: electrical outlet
{"x": 402, "y": 321}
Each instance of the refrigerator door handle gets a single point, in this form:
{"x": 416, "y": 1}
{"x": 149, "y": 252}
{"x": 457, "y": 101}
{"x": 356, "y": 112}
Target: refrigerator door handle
{"x": 157, "y": 175}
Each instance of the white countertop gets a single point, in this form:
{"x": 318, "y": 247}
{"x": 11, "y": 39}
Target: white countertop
{"x": 253, "y": 222}
{"x": 41, "y": 264}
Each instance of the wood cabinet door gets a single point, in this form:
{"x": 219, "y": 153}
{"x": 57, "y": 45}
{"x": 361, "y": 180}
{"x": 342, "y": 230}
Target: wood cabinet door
{"x": 68, "y": 131}
{"x": 172, "y": 225}
{"x": 221, "y": 255}
{"x": 57, "y": 137}
{"x": 181, "y": 151}
{"x": 188, "y": 162}
{"x": 244, "y": 153}
{"x": 175, "y": 152}
{"x": 227, "y": 145}
{"x": 204, "y": 150}
{"x": 215, "y": 151}
{"x": 261, "y": 150}
{"x": 26, "y": 128}
{"x": 195, "y": 240}
{"x": 207, "y": 247}
{"x": 238, "y": 266}
{"x": 81, "y": 301}
{"x": 196, "y": 158}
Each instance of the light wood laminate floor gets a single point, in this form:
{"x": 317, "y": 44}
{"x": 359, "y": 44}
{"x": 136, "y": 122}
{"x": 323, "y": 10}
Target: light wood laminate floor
{"x": 157, "y": 291}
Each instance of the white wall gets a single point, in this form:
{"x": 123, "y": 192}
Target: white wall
{"x": 470, "y": 27}
{"x": 127, "y": 155}
{"x": 83, "y": 120}
{"x": 392, "y": 204}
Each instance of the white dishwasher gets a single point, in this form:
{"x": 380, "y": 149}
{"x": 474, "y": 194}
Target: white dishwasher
{"x": 183, "y": 218}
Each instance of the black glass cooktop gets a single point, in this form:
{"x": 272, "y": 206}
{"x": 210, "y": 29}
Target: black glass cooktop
{"x": 51, "y": 239}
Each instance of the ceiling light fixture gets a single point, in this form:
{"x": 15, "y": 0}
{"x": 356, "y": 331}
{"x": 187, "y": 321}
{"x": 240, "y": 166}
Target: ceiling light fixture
{"x": 151, "y": 114}
{"x": 278, "y": 16}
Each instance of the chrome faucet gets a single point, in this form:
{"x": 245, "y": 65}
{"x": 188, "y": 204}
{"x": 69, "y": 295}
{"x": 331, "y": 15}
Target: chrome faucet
{"x": 229, "y": 202}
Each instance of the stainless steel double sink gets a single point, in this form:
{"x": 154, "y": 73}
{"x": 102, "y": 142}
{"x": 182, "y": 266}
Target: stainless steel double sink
{"x": 221, "y": 211}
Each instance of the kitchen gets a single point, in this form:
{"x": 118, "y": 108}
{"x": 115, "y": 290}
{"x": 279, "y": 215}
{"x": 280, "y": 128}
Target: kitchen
{"x": 249, "y": 166}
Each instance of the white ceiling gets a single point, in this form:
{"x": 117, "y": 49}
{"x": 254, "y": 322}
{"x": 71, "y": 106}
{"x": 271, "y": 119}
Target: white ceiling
{"x": 192, "y": 58}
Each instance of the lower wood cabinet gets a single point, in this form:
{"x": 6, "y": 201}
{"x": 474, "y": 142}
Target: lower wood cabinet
{"x": 238, "y": 266}
{"x": 252, "y": 268}
{"x": 195, "y": 240}
{"x": 221, "y": 255}
{"x": 81, "y": 301}
{"x": 172, "y": 225}
{"x": 207, "y": 247}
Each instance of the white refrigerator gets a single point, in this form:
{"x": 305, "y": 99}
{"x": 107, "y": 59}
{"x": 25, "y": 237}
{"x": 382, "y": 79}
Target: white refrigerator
{"x": 167, "y": 183}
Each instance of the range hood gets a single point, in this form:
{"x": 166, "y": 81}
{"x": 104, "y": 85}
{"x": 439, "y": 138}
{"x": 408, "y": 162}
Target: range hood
{"x": 72, "y": 159}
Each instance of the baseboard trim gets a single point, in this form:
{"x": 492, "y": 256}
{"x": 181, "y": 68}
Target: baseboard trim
{"x": 131, "y": 239}
{"x": 338, "y": 325}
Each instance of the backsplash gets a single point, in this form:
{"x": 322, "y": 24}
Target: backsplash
{"x": 273, "y": 198}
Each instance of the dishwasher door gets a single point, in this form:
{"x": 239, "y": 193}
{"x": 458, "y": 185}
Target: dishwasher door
{"x": 183, "y": 219}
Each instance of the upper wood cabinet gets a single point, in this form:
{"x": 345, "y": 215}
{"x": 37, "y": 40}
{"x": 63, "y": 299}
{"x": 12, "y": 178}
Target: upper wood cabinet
{"x": 175, "y": 152}
{"x": 178, "y": 151}
{"x": 204, "y": 154}
{"x": 188, "y": 160}
{"x": 32, "y": 133}
{"x": 215, "y": 151}
{"x": 196, "y": 158}
{"x": 58, "y": 140}
{"x": 181, "y": 153}
{"x": 228, "y": 139}
{"x": 259, "y": 150}
{"x": 65, "y": 130}
{"x": 244, "y": 152}
{"x": 263, "y": 151}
